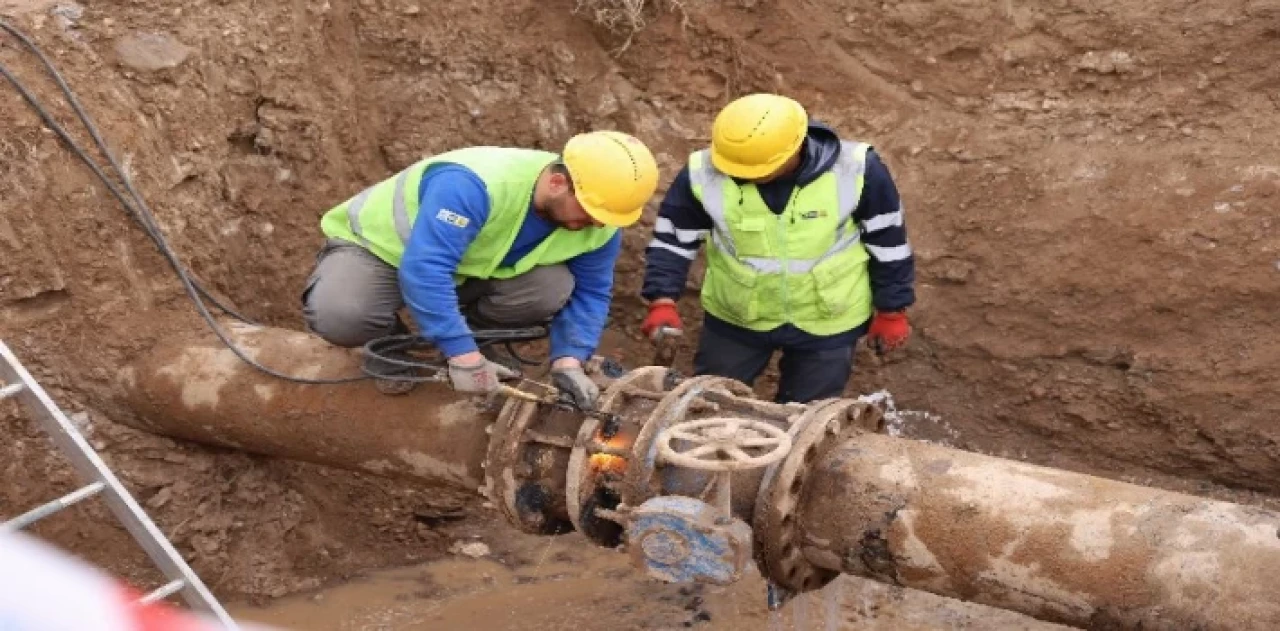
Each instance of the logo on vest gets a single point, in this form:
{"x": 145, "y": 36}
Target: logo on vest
{"x": 452, "y": 218}
{"x": 814, "y": 214}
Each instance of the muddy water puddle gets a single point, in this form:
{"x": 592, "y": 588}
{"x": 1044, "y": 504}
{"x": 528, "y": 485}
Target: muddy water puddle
{"x": 531, "y": 583}
{"x": 558, "y": 583}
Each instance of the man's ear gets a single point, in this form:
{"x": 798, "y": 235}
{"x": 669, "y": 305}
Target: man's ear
{"x": 559, "y": 183}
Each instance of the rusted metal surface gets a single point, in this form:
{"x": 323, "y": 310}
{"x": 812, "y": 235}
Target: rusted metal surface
{"x": 743, "y": 402}
{"x": 678, "y": 539}
{"x": 196, "y": 389}
{"x": 813, "y": 435}
{"x": 1056, "y": 545}
{"x": 619, "y": 468}
{"x": 527, "y": 461}
{"x": 599, "y": 457}
{"x": 647, "y": 478}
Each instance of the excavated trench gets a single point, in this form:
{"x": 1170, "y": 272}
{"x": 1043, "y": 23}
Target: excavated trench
{"x": 1087, "y": 190}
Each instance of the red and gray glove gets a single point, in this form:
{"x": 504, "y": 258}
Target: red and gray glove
{"x": 480, "y": 377}
{"x": 889, "y": 331}
{"x": 661, "y": 314}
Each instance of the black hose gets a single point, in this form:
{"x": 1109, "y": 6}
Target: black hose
{"x": 143, "y": 216}
{"x": 141, "y": 212}
{"x": 386, "y": 353}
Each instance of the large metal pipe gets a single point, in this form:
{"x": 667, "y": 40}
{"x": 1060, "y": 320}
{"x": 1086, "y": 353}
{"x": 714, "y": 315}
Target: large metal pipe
{"x": 1056, "y": 545}
{"x": 196, "y": 389}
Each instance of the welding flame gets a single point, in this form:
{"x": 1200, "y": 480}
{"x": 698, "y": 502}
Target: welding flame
{"x": 609, "y": 463}
{"x": 606, "y": 463}
{"x": 618, "y": 441}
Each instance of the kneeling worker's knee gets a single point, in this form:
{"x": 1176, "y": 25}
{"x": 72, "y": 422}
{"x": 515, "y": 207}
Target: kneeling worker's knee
{"x": 530, "y": 298}
{"x": 341, "y": 324}
{"x": 553, "y": 285}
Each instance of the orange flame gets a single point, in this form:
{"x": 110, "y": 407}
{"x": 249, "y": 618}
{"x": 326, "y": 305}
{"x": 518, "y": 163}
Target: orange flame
{"x": 605, "y": 463}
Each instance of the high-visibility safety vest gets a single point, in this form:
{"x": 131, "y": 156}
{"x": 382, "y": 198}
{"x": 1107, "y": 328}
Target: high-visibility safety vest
{"x": 381, "y": 217}
{"x": 805, "y": 266}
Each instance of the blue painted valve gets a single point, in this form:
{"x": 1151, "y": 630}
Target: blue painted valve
{"x": 682, "y": 539}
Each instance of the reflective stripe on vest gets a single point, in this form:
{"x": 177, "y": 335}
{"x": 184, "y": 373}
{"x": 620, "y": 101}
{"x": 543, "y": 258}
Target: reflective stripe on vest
{"x": 849, "y": 167}
{"x": 399, "y": 212}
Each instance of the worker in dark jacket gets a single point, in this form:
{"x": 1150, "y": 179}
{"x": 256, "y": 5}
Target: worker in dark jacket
{"x": 808, "y": 250}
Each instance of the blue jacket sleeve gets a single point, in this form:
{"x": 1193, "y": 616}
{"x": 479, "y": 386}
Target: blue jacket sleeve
{"x": 575, "y": 331}
{"x": 452, "y": 206}
{"x": 884, "y": 233}
{"x": 682, "y": 226}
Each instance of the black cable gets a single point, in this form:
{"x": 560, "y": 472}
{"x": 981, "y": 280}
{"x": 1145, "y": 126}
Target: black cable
{"x": 142, "y": 213}
{"x": 145, "y": 217}
{"x": 386, "y": 351}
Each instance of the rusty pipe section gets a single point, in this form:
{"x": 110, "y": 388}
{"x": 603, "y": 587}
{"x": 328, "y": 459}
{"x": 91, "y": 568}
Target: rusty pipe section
{"x": 1056, "y": 545}
{"x": 196, "y": 389}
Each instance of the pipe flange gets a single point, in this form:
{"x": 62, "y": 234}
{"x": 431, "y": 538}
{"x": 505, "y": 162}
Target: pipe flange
{"x": 522, "y": 501}
{"x": 672, "y": 409}
{"x": 581, "y": 483}
{"x": 777, "y": 535}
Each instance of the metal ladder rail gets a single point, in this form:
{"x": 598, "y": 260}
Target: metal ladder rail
{"x": 15, "y": 381}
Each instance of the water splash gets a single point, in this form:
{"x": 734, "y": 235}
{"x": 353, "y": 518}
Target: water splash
{"x": 800, "y": 612}
{"x": 542, "y": 559}
{"x": 916, "y": 424}
{"x": 776, "y": 621}
{"x": 775, "y": 597}
{"x": 831, "y": 599}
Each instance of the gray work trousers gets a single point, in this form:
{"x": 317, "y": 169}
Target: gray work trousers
{"x": 353, "y": 297}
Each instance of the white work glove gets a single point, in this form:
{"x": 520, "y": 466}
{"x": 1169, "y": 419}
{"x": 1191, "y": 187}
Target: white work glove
{"x": 481, "y": 377}
{"x": 572, "y": 381}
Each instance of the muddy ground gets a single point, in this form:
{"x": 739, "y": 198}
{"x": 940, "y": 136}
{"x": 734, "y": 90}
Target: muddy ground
{"x": 525, "y": 583}
{"x": 1090, "y": 189}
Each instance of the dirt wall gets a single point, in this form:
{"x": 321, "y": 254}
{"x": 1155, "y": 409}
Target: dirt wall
{"x": 1089, "y": 188}
{"x": 1090, "y": 195}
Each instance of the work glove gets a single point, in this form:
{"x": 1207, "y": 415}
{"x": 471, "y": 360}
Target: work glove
{"x": 889, "y": 331}
{"x": 572, "y": 381}
{"x": 480, "y": 377}
{"x": 661, "y": 314}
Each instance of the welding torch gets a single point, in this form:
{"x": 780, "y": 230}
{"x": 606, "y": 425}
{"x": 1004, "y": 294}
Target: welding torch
{"x": 562, "y": 401}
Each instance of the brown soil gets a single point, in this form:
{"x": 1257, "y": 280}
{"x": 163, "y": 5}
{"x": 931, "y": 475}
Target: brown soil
{"x": 530, "y": 584}
{"x": 1089, "y": 186}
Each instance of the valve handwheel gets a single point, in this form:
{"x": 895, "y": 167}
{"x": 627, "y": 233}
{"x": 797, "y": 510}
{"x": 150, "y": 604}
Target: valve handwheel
{"x": 722, "y": 444}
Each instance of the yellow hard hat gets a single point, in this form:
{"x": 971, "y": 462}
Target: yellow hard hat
{"x": 614, "y": 175}
{"x": 755, "y": 134}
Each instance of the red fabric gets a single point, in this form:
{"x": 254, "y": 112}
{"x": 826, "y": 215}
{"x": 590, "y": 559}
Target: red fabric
{"x": 661, "y": 314}
{"x": 158, "y": 616}
{"x": 889, "y": 330}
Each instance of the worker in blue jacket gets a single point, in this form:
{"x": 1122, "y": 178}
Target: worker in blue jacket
{"x": 807, "y": 250}
{"x": 485, "y": 237}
